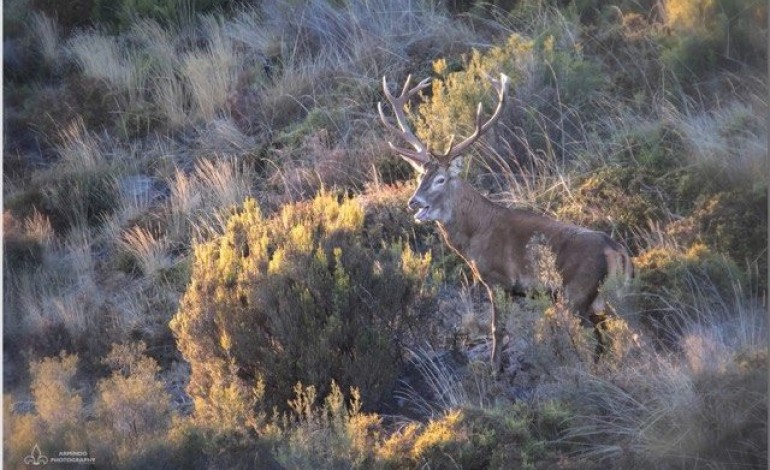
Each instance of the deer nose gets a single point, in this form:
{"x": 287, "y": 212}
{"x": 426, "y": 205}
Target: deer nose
{"x": 414, "y": 204}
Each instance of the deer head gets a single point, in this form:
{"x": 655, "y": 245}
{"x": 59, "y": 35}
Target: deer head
{"x": 434, "y": 198}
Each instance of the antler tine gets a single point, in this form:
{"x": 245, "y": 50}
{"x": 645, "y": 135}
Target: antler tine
{"x": 454, "y": 151}
{"x": 420, "y": 155}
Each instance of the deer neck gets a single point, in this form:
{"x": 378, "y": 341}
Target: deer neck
{"x": 471, "y": 213}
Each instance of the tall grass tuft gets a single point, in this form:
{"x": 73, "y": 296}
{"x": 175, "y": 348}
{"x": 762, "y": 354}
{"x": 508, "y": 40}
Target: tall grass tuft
{"x": 705, "y": 404}
{"x": 48, "y": 36}
{"x": 149, "y": 251}
{"x": 212, "y": 72}
{"x": 103, "y": 57}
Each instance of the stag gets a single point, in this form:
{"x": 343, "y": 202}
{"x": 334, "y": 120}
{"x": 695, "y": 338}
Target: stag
{"x": 494, "y": 240}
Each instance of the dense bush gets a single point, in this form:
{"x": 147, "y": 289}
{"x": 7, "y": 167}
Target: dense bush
{"x": 301, "y": 296}
{"x": 58, "y": 411}
{"x": 677, "y": 286}
{"x": 732, "y": 222}
{"x": 479, "y": 438}
{"x": 714, "y": 35}
{"x": 452, "y": 106}
{"x": 128, "y": 425}
{"x": 615, "y": 200}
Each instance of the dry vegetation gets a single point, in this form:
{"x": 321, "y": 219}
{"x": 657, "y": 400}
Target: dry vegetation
{"x": 208, "y": 260}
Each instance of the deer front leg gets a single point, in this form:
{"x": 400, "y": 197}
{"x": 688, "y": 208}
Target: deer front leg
{"x": 498, "y": 333}
{"x": 603, "y": 341}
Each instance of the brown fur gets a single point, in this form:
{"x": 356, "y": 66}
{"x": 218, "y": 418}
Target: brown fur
{"x": 492, "y": 239}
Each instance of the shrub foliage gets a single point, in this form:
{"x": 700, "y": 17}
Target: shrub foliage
{"x": 298, "y": 297}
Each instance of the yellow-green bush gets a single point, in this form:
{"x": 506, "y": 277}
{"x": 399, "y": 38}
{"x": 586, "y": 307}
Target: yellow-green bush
{"x": 331, "y": 434}
{"x": 57, "y": 403}
{"x": 734, "y": 223}
{"x": 472, "y": 438}
{"x": 303, "y": 296}
{"x": 712, "y": 34}
{"x": 678, "y": 285}
{"x": 455, "y": 95}
{"x": 566, "y": 68}
{"x": 614, "y": 200}
{"x": 56, "y": 422}
{"x": 129, "y": 424}
{"x": 131, "y": 407}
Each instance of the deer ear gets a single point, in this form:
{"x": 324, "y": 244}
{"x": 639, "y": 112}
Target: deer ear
{"x": 456, "y": 166}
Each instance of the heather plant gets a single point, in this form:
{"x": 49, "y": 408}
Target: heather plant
{"x": 303, "y": 295}
{"x": 495, "y": 437}
{"x": 127, "y": 421}
{"x": 55, "y": 421}
{"x": 676, "y": 284}
{"x": 713, "y": 35}
{"x": 455, "y": 95}
{"x": 331, "y": 433}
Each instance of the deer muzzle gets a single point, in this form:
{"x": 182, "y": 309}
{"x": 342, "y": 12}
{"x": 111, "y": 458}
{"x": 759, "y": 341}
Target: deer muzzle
{"x": 420, "y": 207}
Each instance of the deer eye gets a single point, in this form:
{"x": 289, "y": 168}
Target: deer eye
{"x": 439, "y": 181}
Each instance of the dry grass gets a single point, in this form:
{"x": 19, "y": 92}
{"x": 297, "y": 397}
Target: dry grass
{"x": 732, "y": 139}
{"x": 200, "y": 201}
{"x": 80, "y": 149}
{"x": 149, "y": 251}
{"x": 677, "y": 409}
{"x": 46, "y": 31}
{"x": 62, "y": 293}
{"x": 213, "y": 71}
{"x": 102, "y": 57}
{"x": 38, "y": 227}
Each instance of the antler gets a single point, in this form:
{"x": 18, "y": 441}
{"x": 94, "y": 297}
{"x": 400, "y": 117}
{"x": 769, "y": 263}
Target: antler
{"x": 454, "y": 151}
{"x": 420, "y": 156}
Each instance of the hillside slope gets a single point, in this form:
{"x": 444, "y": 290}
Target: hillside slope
{"x": 209, "y": 262}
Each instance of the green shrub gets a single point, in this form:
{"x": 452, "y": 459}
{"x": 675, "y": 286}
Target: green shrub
{"x": 56, "y": 422}
{"x": 331, "y": 434}
{"x": 677, "y": 286}
{"x": 643, "y": 183}
{"x": 615, "y": 200}
{"x": 566, "y": 68}
{"x": 735, "y": 223}
{"x": 56, "y": 401}
{"x": 710, "y": 35}
{"x": 472, "y": 438}
{"x": 455, "y": 95}
{"x": 132, "y": 409}
{"x": 300, "y": 296}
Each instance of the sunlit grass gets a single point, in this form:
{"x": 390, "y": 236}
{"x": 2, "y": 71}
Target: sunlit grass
{"x": 149, "y": 251}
